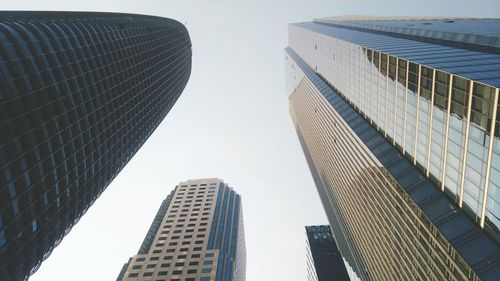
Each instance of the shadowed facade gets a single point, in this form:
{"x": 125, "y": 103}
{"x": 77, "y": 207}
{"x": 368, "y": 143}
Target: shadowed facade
{"x": 80, "y": 94}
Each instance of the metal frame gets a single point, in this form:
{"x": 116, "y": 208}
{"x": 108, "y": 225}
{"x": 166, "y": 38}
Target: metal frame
{"x": 447, "y": 128}
{"x": 416, "y": 115}
{"x": 488, "y": 163}
{"x": 466, "y": 144}
{"x": 429, "y": 133}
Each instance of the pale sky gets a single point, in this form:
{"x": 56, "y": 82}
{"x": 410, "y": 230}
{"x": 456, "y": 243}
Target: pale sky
{"x": 231, "y": 122}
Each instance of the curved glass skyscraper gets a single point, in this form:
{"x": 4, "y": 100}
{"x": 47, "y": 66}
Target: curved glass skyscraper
{"x": 398, "y": 118}
{"x": 79, "y": 95}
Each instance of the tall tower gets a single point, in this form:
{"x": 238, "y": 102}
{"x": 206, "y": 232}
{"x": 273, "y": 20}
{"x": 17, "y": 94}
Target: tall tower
{"x": 197, "y": 235}
{"x": 398, "y": 120}
{"x": 80, "y": 94}
{"x": 324, "y": 261}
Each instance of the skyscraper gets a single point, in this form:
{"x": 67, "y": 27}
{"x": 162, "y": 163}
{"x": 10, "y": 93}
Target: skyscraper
{"x": 324, "y": 261}
{"x": 398, "y": 120}
{"x": 80, "y": 94}
{"x": 197, "y": 235}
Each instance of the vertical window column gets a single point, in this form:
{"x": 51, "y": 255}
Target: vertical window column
{"x": 376, "y": 78}
{"x": 384, "y": 67}
{"x": 416, "y": 116}
{"x": 447, "y": 127}
{"x": 466, "y": 144}
{"x": 405, "y": 105}
{"x": 486, "y": 193}
{"x": 429, "y": 133}
{"x": 459, "y": 98}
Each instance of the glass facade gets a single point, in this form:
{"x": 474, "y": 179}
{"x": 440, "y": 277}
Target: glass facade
{"x": 324, "y": 260}
{"x": 434, "y": 106}
{"x": 197, "y": 234}
{"x": 80, "y": 94}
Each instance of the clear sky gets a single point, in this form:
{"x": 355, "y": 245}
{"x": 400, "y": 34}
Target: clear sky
{"x": 231, "y": 122}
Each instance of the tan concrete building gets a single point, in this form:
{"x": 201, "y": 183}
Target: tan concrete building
{"x": 197, "y": 235}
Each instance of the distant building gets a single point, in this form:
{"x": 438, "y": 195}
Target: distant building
{"x": 80, "y": 93}
{"x": 197, "y": 235}
{"x": 324, "y": 261}
{"x": 398, "y": 119}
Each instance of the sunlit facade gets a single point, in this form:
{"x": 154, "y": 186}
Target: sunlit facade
{"x": 398, "y": 120}
{"x": 197, "y": 235}
{"x": 80, "y": 93}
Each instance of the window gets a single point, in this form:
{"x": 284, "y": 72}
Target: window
{"x": 140, "y": 259}
{"x": 177, "y": 272}
{"x": 189, "y": 279}
{"x": 165, "y": 265}
{"x": 136, "y": 267}
{"x": 151, "y": 265}
{"x": 162, "y": 273}
{"x": 195, "y": 256}
{"x": 133, "y": 275}
{"x": 193, "y": 263}
{"x": 148, "y": 274}
{"x": 209, "y": 262}
{"x": 191, "y": 271}
{"x": 209, "y": 255}
{"x": 179, "y": 264}
{"x": 153, "y": 258}
{"x": 206, "y": 270}
{"x": 205, "y": 278}
{"x": 182, "y": 257}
